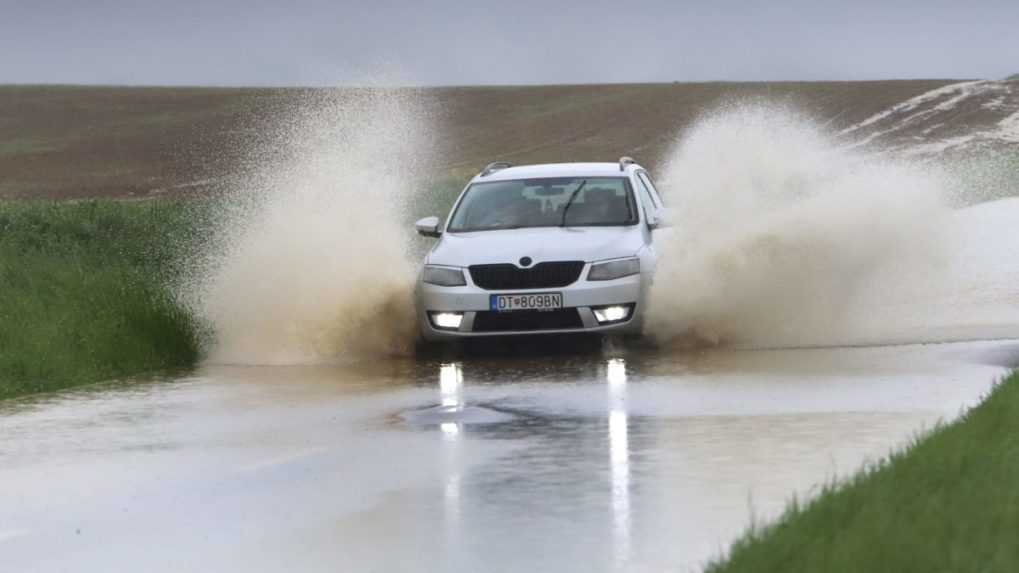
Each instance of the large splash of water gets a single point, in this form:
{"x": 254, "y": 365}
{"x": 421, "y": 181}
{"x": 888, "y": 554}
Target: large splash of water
{"x": 780, "y": 232}
{"x": 782, "y": 236}
{"x": 311, "y": 261}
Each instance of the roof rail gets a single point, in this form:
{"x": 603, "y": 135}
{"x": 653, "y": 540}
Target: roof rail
{"x": 493, "y": 167}
{"x": 624, "y": 161}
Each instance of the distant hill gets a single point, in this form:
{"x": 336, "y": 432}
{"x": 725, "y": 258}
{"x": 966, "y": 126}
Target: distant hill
{"x": 959, "y": 118}
{"x": 1013, "y": 77}
{"x": 77, "y": 141}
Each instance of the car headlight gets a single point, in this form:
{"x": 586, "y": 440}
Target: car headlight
{"x": 611, "y": 314}
{"x": 613, "y": 269}
{"x": 446, "y": 320}
{"x": 443, "y": 276}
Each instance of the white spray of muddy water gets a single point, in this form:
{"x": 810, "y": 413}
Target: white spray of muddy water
{"x": 779, "y": 232}
{"x": 312, "y": 264}
{"x": 781, "y": 236}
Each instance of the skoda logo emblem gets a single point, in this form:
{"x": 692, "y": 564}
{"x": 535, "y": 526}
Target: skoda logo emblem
{"x": 526, "y": 262}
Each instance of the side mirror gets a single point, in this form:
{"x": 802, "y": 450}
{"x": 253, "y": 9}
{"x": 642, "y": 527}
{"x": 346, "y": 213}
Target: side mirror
{"x": 428, "y": 227}
{"x": 659, "y": 219}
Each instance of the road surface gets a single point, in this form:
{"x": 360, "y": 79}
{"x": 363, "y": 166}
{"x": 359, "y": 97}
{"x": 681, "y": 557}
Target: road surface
{"x": 612, "y": 461}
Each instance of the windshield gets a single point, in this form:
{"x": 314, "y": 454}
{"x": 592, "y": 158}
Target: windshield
{"x": 546, "y": 202}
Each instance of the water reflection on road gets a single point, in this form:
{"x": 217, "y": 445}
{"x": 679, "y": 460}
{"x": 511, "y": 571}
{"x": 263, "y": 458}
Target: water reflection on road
{"x": 613, "y": 461}
{"x": 619, "y": 457}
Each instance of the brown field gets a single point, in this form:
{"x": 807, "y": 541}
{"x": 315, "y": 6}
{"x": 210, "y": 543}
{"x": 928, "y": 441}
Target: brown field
{"x": 78, "y": 142}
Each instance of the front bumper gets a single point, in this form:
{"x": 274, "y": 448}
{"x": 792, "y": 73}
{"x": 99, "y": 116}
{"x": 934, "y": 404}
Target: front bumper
{"x": 581, "y": 295}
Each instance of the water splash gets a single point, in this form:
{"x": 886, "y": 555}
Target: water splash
{"x": 779, "y": 231}
{"x": 310, "y": 263}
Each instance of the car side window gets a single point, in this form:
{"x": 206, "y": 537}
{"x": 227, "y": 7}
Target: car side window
{"x": 645, "y": 199}
{"x": 646, "y": 180}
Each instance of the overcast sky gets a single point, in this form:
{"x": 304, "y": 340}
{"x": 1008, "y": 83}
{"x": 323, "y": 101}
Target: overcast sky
{"x": 320, "y": 42}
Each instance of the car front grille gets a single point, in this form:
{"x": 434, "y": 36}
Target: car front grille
{"x": 524, "y": 320}
{"x": 542, "y": 275}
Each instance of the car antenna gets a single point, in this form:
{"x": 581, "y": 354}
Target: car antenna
{"x": 570, "y": 202}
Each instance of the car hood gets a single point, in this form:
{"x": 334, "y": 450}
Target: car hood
{"x": 540, "y": 244}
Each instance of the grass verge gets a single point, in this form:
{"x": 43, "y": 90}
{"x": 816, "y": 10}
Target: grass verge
{"x": 83, "y": 293}
{"x": 948, "y": 502}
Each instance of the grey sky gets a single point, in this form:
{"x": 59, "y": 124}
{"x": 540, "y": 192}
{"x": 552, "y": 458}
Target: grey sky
{"x": 319, "y": 42}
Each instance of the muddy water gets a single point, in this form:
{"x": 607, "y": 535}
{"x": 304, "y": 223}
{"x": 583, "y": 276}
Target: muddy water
{"x": 612, "y": 461}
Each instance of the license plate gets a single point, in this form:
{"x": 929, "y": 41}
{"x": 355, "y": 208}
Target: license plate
{"x": 535, "y": 301}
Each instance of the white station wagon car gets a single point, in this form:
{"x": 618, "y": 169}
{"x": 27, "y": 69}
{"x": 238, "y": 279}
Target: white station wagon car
{"x": 542, "y": 249}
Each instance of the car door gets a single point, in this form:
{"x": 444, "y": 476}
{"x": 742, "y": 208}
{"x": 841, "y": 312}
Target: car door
{"x": 649, "y": 256}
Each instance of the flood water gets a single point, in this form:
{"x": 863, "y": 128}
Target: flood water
{"x": 611, "y": 461}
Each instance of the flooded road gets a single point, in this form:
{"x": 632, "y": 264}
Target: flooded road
{"x": 616, "y": 461}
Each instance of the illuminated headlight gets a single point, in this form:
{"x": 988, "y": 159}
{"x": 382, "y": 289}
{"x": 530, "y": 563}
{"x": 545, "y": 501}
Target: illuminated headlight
{"x": 610, "y": 314}
{"x": 613, "y": 269}
{"x": 447, "y": 320}
{"x": 443, "y": 276}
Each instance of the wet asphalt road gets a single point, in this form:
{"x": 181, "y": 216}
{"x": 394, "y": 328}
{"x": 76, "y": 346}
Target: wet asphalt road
{"x": 611, "y": 461}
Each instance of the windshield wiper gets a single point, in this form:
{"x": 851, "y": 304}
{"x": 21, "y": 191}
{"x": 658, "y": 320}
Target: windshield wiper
{"x": 570, "y": 202}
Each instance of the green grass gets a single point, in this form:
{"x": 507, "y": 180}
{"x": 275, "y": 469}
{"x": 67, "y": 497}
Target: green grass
{"x": 949, "y": 502}
{"x": 84, "y": 295}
